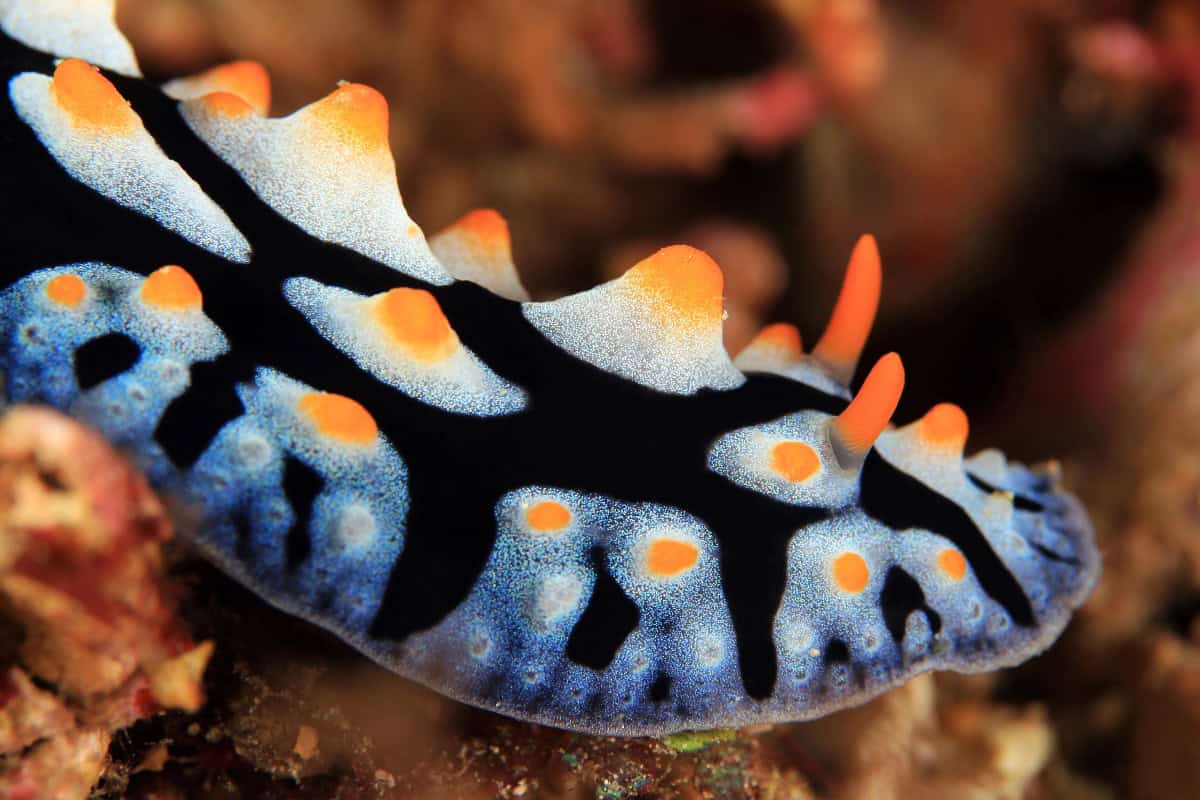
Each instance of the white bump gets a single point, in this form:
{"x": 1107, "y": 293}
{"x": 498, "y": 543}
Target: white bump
{"x": 795, "y": 638}
{"x": 479, "y": 644}
{"x": 710, "y": 650}
{"x": 917, "y": 634}
{"x": 557, "y": 596}
{"x": 356, "y": 526}
{"x": 253, "y": 450}
{"x": 173, "y": 374}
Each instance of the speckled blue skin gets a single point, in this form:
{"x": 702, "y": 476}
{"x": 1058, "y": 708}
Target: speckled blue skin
{"x": 418, "y": 549}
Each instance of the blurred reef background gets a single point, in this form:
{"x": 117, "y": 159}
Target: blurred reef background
{"x": 1031, "y": 169}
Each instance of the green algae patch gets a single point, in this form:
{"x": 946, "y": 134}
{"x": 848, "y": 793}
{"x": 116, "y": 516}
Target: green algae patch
{"x": 694, "y": 741}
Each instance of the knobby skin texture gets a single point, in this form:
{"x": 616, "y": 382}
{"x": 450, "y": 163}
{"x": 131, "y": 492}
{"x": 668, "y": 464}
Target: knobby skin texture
{"x": 581, "y": 512}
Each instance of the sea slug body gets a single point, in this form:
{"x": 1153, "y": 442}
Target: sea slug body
{"x": 581, "y": 511}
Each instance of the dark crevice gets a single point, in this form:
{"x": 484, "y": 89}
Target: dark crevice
{"x": 660, "y": 690}
{"x": 607, "y": 621}
{"x": 902, "y": 595}
{"x": 1053, "y": 556}
{"x": 192, "y": 420}
{"x": 836, "y": 652}
{"x": 1020, "y": 502}
{"x": 103, "y": 358}
{"x": 301, "y": 485}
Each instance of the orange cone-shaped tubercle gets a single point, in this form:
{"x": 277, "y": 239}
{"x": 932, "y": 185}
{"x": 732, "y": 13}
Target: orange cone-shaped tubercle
{"x": 90, "y": 99}
{"x": 944, "y": 426}
{"x": 486, "y": 227}
{"x": 783, "y": 338}
{"x": 357, "y": 114}
{"x": 247, "y": 80}
{"x": 854, "y": 313}
{"x": 857, "y": 428}
{"x": 682, "y": 285}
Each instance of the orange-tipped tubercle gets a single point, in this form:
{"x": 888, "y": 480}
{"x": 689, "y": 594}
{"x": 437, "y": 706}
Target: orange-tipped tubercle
{"x": 842, "y": 342}
{"x": 783, "y": 338}
{"x": 682, "y": 285}
{"x": 357, "y": 114}
{"x": 90, "y": 100}
{"x": 945, "y": 427}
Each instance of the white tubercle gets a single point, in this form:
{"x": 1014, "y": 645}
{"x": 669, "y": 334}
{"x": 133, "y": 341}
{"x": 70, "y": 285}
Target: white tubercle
{"x": 477, "y": 248}
{"x": 327, "y": 168}
{"x": 403, "y": 338}
{"x": 100, "y": 141}
{"x": 659, "y": 324}
{"x": 246, "y": 80}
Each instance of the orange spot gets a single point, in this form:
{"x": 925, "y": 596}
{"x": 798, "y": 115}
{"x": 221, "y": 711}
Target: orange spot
{"x": 682, "y": 285}
{"x": 668, "y": 557}
{"x": 851, "y": 573}
{"x": 339, "y": 417}
{"x": 171, "y": 287}
{"x": 90, "y": 99}
{"x": 794, "y": 461}
{"x": 842, "y": 342}
{"x": 247, "y": 80}
{"x": 952, "y": 563}
{"x": 415, "y": 320}
{"x": 944, "y": 425}
{"x": 227, "y": 104}
{"x": 783, "y": 337}
{"x": 66, "y": 290}
{"x": 868, "y": 414}
{"x": 548, "y": 516}
{"x": 356, "y": 113}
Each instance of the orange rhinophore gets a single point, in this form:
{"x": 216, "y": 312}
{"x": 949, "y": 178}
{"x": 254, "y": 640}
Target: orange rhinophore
{"x": 339, "y": 417}
{"x": 857, "y": 428}
{"x": 413, "y": 318}
{"x": 90, "y": 100}
{"x": 173, "y": 288}
{"x": 682, "y": 285}
{"x": 842, "y": 343}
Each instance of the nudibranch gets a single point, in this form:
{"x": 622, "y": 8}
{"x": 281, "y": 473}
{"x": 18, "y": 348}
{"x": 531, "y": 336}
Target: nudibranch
{"x": 582, "y": 512}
